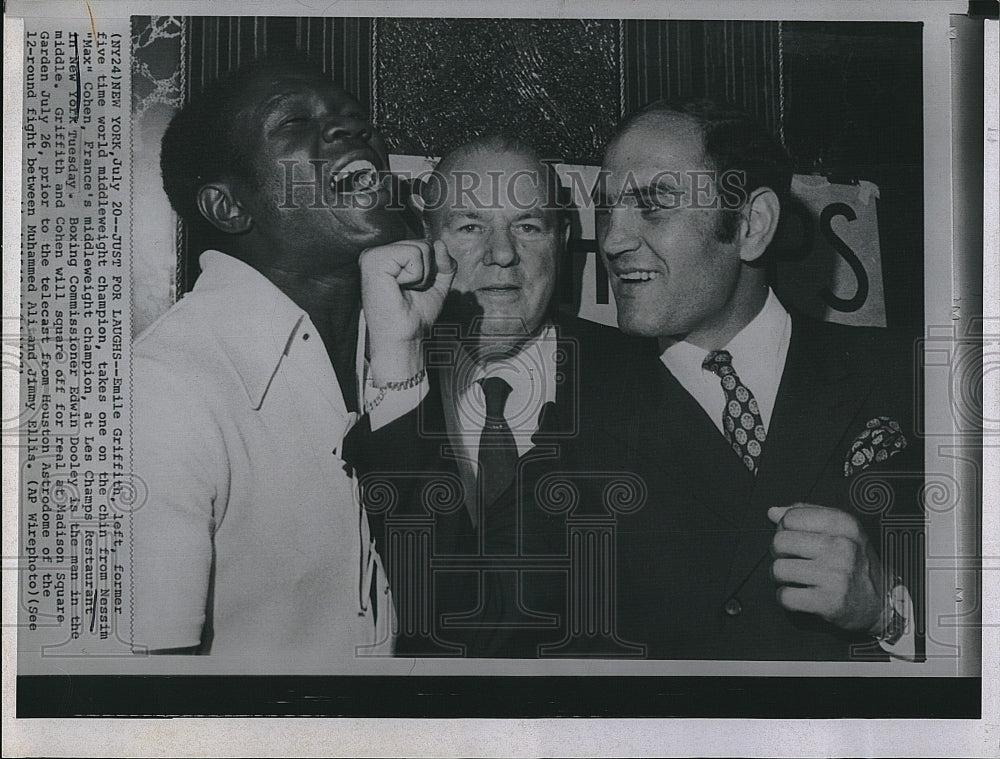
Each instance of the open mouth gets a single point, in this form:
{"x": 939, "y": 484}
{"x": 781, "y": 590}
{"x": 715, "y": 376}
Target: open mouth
{"x": 641, "y": 275}
{"x": 358, "y": 176}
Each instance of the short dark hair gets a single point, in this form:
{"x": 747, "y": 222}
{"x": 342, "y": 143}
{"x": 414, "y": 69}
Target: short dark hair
{"x": 204, "y": 142}
{"x": 732, "y": 140}
{"x": 502, "y": 143}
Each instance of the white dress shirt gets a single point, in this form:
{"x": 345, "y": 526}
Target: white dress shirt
{"x": 758, "y": 350}
{"x": 531, "y": 375}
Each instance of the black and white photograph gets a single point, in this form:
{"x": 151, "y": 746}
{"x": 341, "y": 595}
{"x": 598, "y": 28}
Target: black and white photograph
{"x": 654, "y": 459}
{"x": 503, "y": 363}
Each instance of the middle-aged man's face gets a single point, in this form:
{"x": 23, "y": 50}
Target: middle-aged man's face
{"x": 336, "y": 206}
{"x": 500, "y": 228}
{"x": 671, "y": 275}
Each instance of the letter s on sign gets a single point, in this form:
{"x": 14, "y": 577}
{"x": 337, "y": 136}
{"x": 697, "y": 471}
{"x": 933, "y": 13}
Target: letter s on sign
{"x": 855, "y": 302}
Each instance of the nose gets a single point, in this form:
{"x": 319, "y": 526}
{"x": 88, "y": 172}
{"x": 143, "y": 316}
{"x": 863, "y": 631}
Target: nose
{"x": 347, "y": 128}
{"x": 501, "y": 251}
{"x": 616, "y": 232}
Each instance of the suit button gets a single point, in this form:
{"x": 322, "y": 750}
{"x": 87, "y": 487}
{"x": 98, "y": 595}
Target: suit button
{"x": 733, "y": 607}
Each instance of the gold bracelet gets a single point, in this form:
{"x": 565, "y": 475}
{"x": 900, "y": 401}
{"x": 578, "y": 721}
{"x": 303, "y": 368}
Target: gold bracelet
{"x": 406, "y": 384}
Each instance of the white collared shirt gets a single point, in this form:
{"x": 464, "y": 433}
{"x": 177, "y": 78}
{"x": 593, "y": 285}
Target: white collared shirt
{"x": 758, "y": 350}
{"x": 531, "y": 375}
{"x": 251, "y": 515}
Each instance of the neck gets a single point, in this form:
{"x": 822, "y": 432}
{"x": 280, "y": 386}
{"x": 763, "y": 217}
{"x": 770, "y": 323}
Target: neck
{"x": 491, "y": 350}
{"x": 743, "y": 309}
{"x": 333, "y": 301}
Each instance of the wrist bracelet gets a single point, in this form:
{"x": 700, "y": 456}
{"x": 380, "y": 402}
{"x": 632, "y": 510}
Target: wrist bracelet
{"x": 385, "y": 387}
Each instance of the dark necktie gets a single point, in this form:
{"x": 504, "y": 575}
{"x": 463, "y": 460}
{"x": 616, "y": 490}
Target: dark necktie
{"x": 497, "y": 449}
{"x": 741, "y": 419}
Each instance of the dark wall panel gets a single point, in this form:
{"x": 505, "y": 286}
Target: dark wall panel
{"x": 854, "y": 110}
{"x": 731, "y": 60}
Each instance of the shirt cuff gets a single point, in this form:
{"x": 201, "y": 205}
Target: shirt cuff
{"x": 904, "y": 649}
{"x": 395, "y": 403}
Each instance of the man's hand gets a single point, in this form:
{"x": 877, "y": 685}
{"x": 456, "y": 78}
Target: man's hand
{"x": 403, "y": 287}
{"x": 826, "y": 565}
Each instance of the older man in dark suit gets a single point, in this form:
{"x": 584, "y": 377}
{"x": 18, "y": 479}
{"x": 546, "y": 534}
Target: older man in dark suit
{"x": 509, "y": 379}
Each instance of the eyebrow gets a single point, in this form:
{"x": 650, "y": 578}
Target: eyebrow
{"x": 268, "y": 107}
{"x": 537, "y": 214}
{"x": 598, "y": 196}
{"x": 650, "y": 190}
{"x": 453, "y": 215}
{"x": 279, "y": 97}
{"x": 662, "y": 183}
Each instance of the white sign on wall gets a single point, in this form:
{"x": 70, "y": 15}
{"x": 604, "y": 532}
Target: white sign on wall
{"x": 838, "y": 277}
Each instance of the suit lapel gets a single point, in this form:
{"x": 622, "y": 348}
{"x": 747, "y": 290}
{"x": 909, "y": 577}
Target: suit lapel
{"x": 819, "y": 394}
{"x": 560, "y": 420}
{"x": 670, "y": 431}
{"x": 432, "y": 422}
{"x": 551, "y": 422}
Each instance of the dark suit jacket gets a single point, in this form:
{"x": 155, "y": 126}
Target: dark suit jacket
{"x": 413, "y": 493}
{"x": 667, "y": 532}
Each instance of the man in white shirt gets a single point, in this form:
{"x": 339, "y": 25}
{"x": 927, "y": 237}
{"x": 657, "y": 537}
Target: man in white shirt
{"x": 252, "y": 544}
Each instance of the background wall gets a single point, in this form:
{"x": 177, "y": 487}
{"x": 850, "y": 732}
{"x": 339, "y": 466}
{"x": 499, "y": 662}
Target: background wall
{"x": 846, "y": 98}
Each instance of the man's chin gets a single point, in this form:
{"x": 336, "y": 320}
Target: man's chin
{"x": 497, "y": 347}
{"x": 378, "y": 226}
{"x": 498, "y": 324}
{"x": 636, "y": 324}
{"x": 505, "y": 334}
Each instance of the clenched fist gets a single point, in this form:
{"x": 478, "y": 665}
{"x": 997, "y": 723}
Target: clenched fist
{"x": 403, "y": 287}
{"x": 826, "y": 565}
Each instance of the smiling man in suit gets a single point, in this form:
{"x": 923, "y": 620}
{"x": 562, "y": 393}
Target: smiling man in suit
{"x": 760, "y": 436}
{"x": 771, "y": 512}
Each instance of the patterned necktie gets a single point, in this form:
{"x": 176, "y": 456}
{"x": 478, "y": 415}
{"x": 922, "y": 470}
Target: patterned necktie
{"x": 741, "y": 419}
{"x": 497, "y": 449}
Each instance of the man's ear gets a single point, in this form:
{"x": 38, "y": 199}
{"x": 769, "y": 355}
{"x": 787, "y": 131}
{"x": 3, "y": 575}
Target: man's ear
{"x": 567, "y": 229}
{"x": 222, "y": 210}
{"x": 760, "y": 221}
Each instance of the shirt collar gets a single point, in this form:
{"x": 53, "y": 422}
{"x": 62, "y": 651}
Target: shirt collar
{"x": 532, "y": 355}
{"x": 252, "y": 319}
{"x": 760, "y": 339}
